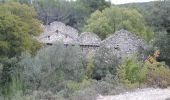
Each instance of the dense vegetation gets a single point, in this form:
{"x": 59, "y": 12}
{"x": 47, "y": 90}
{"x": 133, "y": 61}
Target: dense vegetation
{"x": 113, "y": 19}
{"x": 29, "y": 71}
{"x": 157, "y": 15}
{"x": 17, "y": 26}
{"x": 71, "y": 13}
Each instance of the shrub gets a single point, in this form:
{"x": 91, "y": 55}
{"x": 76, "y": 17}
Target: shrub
{"x": 134, "y": 73}
{"x": 158, "y": 74}
{"x": 90, "y": 67}
{"x": 35, "y": 95}
{"x": 84, "y": 94}
{"x": 14, "y": 89}
{"x": 51, "y": 66}
{"x": 105, "y": 63}
{"x": 103, "y": 87}
{"x": 131, "y": 72}
{"x": 10, "y": 79}
{"x": 71, "y": 86}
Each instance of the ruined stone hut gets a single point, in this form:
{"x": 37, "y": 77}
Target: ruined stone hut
{"x": 58, "y": 32}
{"x": 121, "y": 43}
{"x": 89, "y": 41}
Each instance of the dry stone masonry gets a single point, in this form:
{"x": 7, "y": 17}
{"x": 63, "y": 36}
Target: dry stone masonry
{"x": 89, "y": 42}
{"x": 121, "y": 43}
{"x": 58, "y": 32}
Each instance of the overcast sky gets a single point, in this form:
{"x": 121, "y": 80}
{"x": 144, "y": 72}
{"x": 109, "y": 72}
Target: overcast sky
{"x": 128, "y": 1}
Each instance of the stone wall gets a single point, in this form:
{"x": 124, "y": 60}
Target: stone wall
{"x": 89, "y": 38}
{"x": 122, "y": 43}
{"x": 58, "y": 31}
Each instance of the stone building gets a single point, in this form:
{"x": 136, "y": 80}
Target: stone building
{"x": 123, "y": 43}
{"x": 58, "y": 32}
{"x": 89, "y": 41}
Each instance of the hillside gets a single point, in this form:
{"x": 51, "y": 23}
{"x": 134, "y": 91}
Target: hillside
{"x": 84, "y": 49}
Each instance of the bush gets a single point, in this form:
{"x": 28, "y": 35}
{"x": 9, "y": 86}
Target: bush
{"x": 51, "y": 66}
{"x": 134, "y": 73}
{"x": 71, "y": 87}
{"x": 158, "y": 74}
{"x": 35, "y": 95}
{"x": 103, "y": 87}
{"x": 84, "y": 94}
{"x": 90, "y": 67}
{"x": 40, "y": 95}
{"x": 10, "y": 79}
{"x": 105, "y": 63}
{"x": 14, "y": 89}
{"x": 131, "y": 72}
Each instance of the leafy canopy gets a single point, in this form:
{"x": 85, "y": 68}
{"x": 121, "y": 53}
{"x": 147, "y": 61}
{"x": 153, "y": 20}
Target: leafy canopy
{"x": 13, "y": 35}
{"x": 17, "y": 26}
{"x": 26, "y": 13}
{"x": 113, "y": 19}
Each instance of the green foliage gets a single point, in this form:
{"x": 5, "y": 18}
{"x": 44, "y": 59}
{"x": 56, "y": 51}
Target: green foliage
{"x": 51, "y": 66}
{"x": 14, "y": 87}
{"x": 160, "y": 15}
{"x": 157, "y": 16}
{"x": 155, "y": 13}
{"x": 161, "y": 24}
{"x": 83, "y": 9}
{"x": 90, "y": 67}
{"x": 49, "y": 11}
{"x": 84, "y": 94}
{"x": 9, "y": 76}
{"x": 14, "y": 37}
{"x": 72, "y": 86}
{"x": 17, "y": 25}
{"x": 134, "y": 73}
{"x": 162, "y": 41}
{"x": 94, "y": 5}
{"x": 10, "y": 80}
{"x": 158, "y": 74}
{"x": 115, "y": 18}
{"x": 62, "y": 71}
{"x": 26, "y": 14}
{"x": 103, "y": 87}
{"x": 131, "y": 72}
{"x": 73, "y": 13}
{"x": 81, "y": 13}
{"x": 105, "y": 63}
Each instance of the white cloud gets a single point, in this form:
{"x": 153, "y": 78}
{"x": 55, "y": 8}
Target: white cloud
{"x": 128, "y": 1}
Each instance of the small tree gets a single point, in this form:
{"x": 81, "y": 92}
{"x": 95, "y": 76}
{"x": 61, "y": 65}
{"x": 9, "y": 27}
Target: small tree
{"x": 131, "y": 72}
